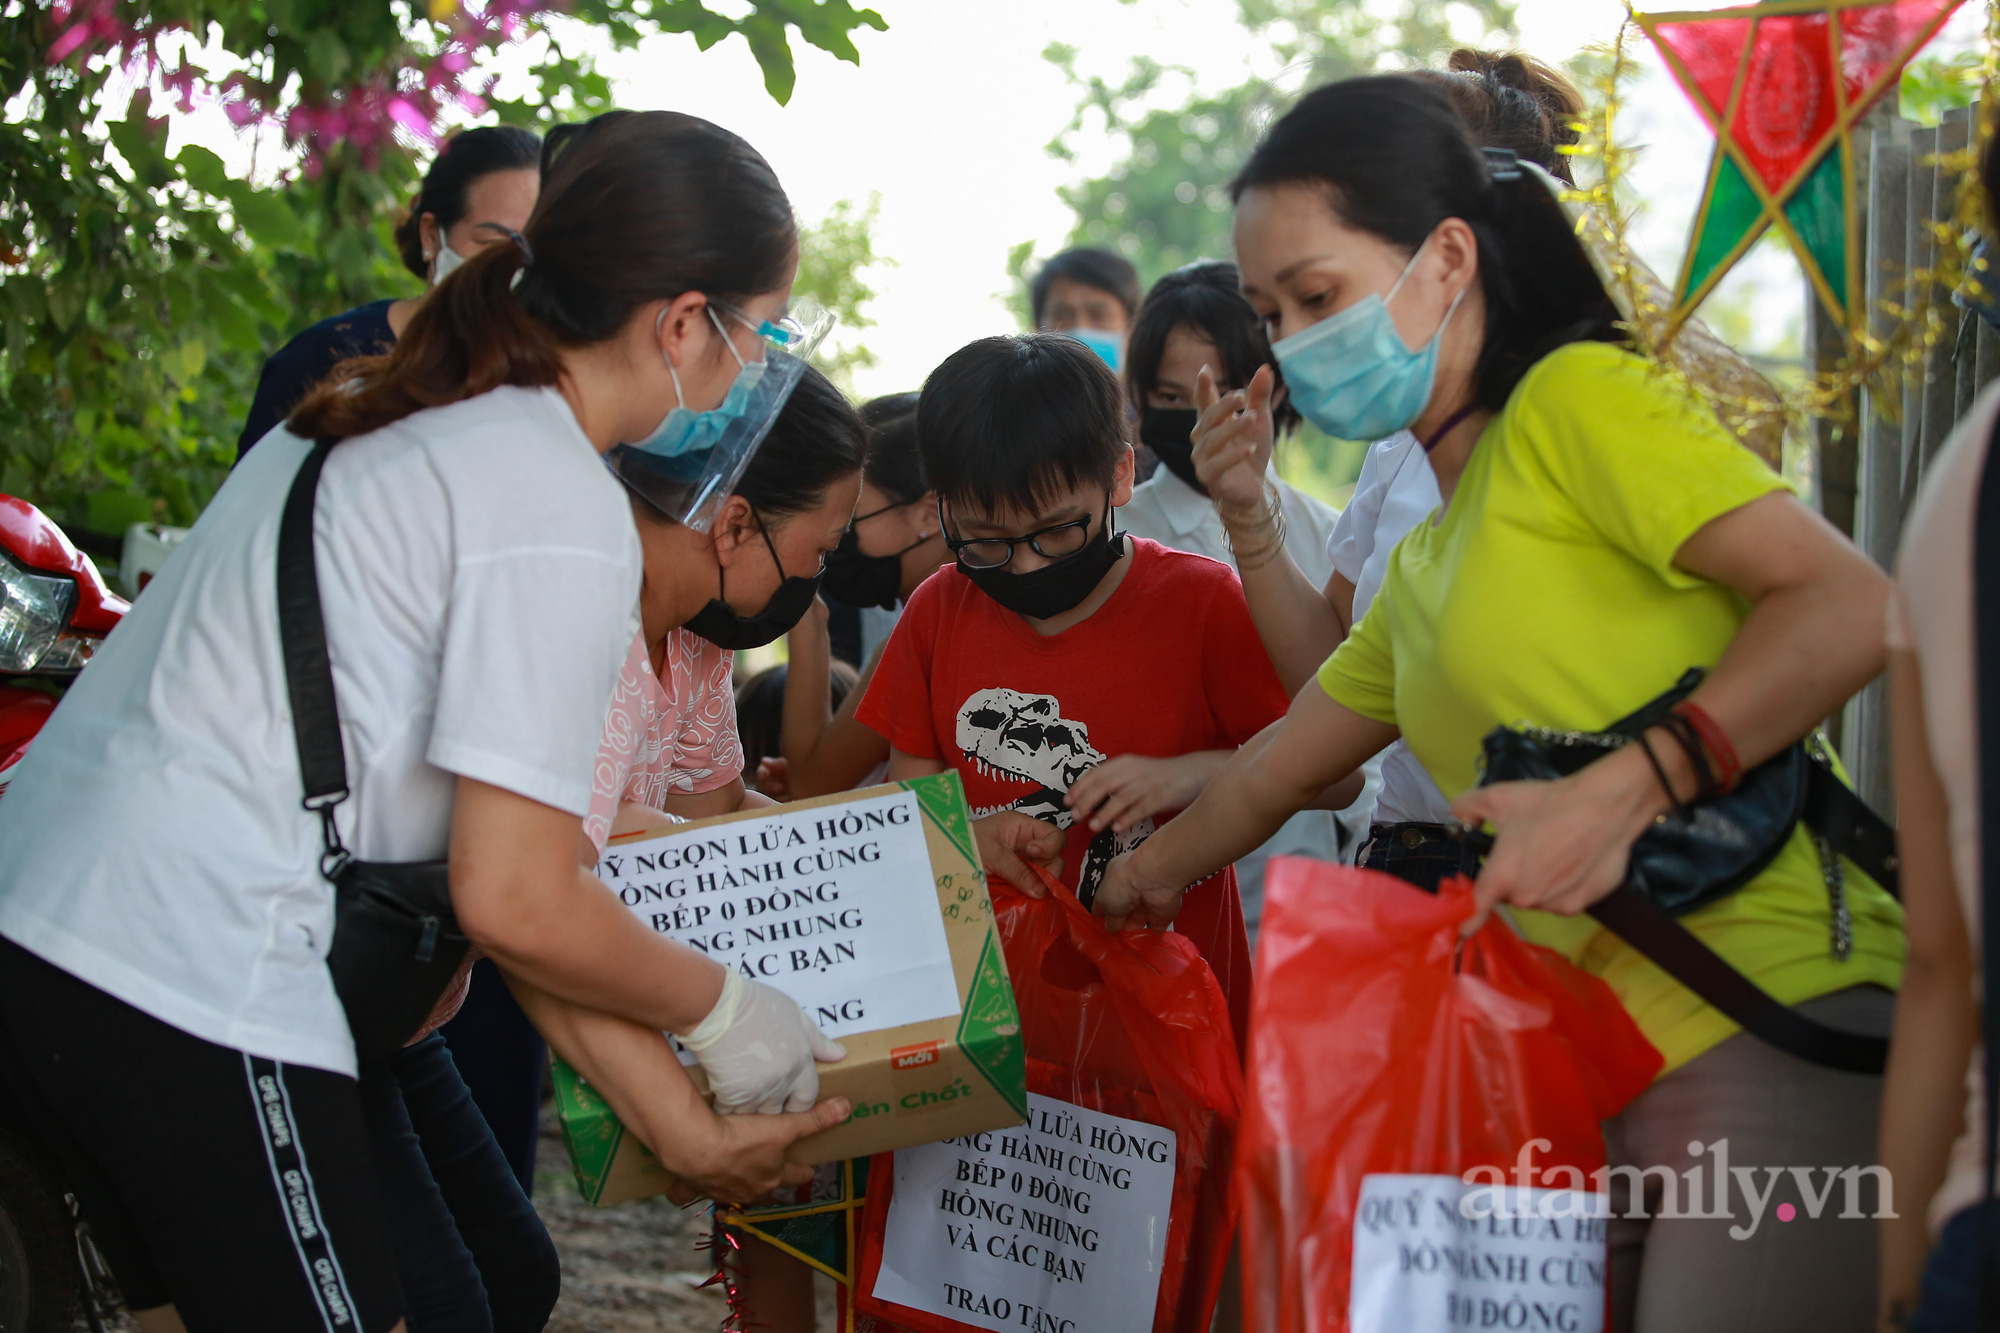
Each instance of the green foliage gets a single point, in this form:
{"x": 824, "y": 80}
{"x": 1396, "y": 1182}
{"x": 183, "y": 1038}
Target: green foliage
{"x": 1166, "y": 201}
{"x": 1936, "y": 83}
{"x": 833, "y": 261}
{"x": 140, "y": 290}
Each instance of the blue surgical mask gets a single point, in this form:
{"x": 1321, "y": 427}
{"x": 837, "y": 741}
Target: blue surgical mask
{"x": 685, "y": 431}
{"x": 1351, "y": 375}
{"x": 692, "y": 460}
{"x": 1108, "y": 346}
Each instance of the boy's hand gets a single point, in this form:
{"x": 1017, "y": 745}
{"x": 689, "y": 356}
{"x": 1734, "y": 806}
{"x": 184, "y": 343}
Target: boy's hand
{"x": 1232, "y": 440}
{"x": 1120, "y": 792}
{"x": 1009, "y": 840}
{"x": 774, "y": 777}
{"x": 1124, "y": 897}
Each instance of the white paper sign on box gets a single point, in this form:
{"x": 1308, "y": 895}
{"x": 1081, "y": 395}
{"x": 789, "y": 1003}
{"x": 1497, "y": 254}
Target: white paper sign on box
{"x": 1511, "y": 1258}
{"x": 835, "y": 906}
{"x": 1059, "y": 1224}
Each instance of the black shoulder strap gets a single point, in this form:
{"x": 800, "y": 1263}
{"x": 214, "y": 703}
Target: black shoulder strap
{"x": 1986, "y": 666}
{"x": 1850, "y": 826}
{"x": 302, "y": 638}
{"x": 1647, "y": 927}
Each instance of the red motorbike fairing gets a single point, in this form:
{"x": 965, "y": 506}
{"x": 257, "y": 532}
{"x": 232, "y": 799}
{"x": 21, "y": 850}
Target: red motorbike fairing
{"x": 33, "y": 539}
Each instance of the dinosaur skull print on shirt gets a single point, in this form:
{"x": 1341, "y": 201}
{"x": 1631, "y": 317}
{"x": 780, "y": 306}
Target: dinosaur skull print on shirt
{"x": 1011, "y": 737}
{"x": 1169, "y": 665}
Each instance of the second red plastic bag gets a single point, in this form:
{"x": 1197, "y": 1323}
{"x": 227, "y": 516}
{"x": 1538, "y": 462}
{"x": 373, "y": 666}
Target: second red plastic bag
{"x": 1120, "y": 1183}
{"x": 1421, "y": 1128}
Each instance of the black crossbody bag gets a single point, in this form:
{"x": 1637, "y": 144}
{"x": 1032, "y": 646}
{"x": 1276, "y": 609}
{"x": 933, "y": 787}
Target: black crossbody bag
{"x": 1707, "y": 850}
{"x": 396, "y": 942}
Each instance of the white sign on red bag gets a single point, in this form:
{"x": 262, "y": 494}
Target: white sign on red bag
{"x": 1433, "y": 1254}
{"x": 1058, "y": 1226}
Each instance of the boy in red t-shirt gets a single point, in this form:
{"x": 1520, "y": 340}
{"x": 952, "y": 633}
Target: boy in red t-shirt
{"x": 1077, "y": 679}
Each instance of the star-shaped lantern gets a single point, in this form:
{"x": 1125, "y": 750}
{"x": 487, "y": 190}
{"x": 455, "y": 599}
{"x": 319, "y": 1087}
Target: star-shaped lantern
{"x": 1782, "y": 84}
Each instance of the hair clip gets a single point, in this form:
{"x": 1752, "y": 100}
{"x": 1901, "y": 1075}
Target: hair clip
{"x": 1503, "y": 165}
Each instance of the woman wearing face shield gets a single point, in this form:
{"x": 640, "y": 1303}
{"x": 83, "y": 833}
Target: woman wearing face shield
{"x": 1600, "y": 534}
{"x": 481, "y": 186}
{"x": 167, "y": 1014}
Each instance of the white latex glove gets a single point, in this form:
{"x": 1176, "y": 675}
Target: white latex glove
{"x": 757, "y": 1047}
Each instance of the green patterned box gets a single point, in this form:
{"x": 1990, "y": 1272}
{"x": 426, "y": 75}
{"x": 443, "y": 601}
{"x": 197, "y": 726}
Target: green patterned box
{"x": 913, "y": 1084}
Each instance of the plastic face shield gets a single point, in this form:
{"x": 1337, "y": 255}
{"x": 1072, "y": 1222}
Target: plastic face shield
{"x": 689, "y": 487}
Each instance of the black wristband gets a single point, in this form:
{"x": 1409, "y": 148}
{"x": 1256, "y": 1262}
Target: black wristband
{"x": 1689, "y": 740}
{"x": 1659, "y": 770}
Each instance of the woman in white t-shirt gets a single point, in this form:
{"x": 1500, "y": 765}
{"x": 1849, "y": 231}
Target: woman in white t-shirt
{"x": 166, "y": 1014}
{"x": 1939, "y": 1243}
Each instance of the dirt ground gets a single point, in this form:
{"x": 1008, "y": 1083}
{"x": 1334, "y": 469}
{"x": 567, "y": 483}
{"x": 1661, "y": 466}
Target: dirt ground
{"x": 633, "y": 1268}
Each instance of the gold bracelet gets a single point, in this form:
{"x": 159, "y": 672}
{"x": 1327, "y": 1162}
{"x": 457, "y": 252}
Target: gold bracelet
{"x": 1271, "y": 515}
{"x": 1268, "y": 550}
{"x": 1273, "y": 522}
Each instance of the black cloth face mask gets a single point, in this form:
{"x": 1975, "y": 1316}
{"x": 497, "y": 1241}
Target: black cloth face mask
{"x": 719, "y": 623}
{"x": 1056, "y": 587}
{"x": 867, "y": 580}
{"x": 1169, "y": 432}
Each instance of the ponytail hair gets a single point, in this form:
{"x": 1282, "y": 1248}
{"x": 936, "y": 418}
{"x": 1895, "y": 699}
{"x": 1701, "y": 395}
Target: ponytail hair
{"x": 1509, "y": 99}
{"x": 635, "y": 206}
{"x": 466, "y": 158}
{"x": 1395, "y": 159}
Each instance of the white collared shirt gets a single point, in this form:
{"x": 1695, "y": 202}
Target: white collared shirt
{"x": 1396, "y": 491}
{"x": 1173, "y": 513}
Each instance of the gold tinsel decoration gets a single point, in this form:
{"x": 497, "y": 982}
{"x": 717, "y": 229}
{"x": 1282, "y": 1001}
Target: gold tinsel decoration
{"x": 1913, "y": 317}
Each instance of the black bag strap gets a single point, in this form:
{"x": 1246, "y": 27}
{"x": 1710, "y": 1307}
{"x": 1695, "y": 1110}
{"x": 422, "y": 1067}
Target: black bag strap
{"x": 1986, "y": 666}
{"x": 1850, "y": 825}
{"x": 1678, "y": 952}
{"x": 308, "y": 669}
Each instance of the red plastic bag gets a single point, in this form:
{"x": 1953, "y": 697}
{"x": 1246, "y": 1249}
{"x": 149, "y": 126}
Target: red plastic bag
{"x": 1397, "y": 1078}
{"x": 1134, "y": 1088}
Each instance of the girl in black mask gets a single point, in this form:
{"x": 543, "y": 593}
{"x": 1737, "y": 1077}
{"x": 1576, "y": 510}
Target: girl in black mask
{"x": 894, "y": 544}
{"x": 1196, "y": 316}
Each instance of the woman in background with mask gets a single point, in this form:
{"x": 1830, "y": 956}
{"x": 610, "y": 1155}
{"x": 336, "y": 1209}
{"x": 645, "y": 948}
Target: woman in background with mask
{"x": 1600, "y": 535}
{"x": 481, "y": 186}
{"x": 1195, "y": 318}
{"x": 893, "y": 545}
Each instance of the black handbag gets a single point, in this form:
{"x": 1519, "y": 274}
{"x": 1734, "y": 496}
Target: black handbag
{"x": 1706, "y": 850}
{"x": 396, "y": 943}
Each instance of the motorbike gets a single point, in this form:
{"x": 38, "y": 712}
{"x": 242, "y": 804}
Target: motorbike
{"x": 55, "y": 609}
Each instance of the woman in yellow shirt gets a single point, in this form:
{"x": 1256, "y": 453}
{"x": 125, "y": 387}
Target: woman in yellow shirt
{"x": 1599, "y": 535}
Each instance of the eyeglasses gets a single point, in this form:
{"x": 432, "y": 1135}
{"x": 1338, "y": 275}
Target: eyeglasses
{"x": 859, "y": 519}
{"x": 1051, "y": 543}
{"x": 798, "y": 332}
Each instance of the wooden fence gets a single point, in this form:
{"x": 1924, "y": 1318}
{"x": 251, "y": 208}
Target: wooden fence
{"x": 1867, "y": 491}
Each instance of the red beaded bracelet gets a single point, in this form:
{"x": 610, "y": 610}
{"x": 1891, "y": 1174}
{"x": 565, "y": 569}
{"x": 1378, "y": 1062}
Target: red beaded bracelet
{"x": 1716, "y": 741}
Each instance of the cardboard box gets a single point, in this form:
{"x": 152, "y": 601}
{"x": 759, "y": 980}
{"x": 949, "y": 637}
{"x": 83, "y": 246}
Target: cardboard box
{"x": 870, "y": 909}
